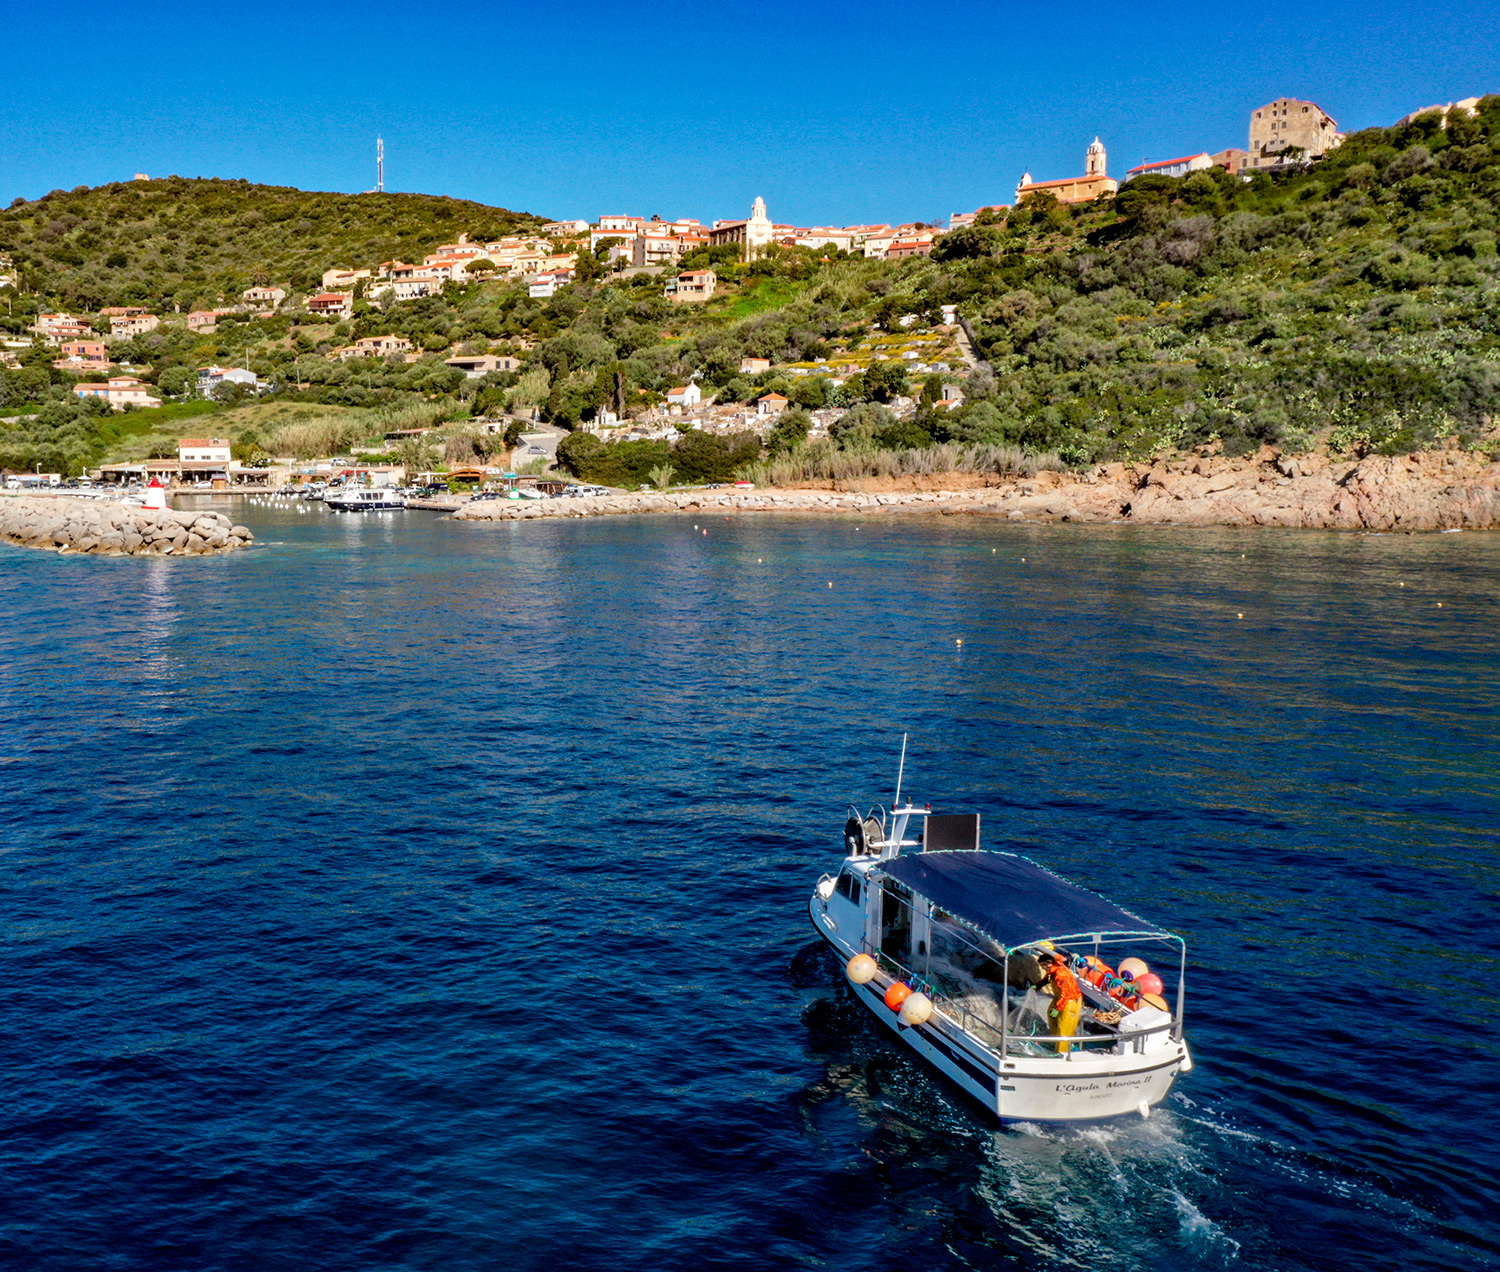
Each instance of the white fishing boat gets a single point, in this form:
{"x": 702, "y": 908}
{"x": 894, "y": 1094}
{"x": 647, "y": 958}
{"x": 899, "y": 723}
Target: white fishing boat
{"x": 949, "y": 946}
{"x": 363, "y": 499}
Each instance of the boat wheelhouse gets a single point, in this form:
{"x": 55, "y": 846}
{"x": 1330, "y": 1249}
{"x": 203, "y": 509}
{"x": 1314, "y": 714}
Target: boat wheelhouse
{"x": 947, "y": 944}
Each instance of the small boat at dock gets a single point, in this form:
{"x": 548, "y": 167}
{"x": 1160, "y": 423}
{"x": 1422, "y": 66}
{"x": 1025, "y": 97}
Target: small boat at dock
{"x": 363, "y": 499}
{"x": 1029, "y": 992}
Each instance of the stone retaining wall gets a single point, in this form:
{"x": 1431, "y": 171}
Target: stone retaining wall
{"x": 1433, "y": 491}
{"x": 65, "y": 524}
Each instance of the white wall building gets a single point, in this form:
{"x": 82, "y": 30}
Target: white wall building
{"x": 212, "y": 450}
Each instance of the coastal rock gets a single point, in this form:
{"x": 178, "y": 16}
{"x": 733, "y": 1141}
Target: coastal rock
{"x": 63, "y": 523}
{"x": 1432, "y": 491}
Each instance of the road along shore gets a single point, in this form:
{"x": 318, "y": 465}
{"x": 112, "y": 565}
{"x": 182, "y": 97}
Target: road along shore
{"x": 61, "y": 524}
{"x": 1438, "y": 490}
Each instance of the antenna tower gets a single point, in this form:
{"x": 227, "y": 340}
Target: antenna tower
{"x": 379, "y": 165}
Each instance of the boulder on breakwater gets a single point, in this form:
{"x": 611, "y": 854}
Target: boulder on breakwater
{"x": 64, "y": 524}
{"x": 1436, "y": 490}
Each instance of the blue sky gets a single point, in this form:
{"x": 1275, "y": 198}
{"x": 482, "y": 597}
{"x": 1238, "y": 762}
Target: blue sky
{"x": 840, "y": 113}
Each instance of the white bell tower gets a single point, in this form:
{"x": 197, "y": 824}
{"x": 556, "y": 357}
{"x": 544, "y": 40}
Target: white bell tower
{"x": 1093, "y": 164}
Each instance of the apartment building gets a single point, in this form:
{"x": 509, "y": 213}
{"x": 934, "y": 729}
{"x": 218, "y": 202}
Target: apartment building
{"x": 657, "y": 246}
{"x": 375, "y": 347}
{"x": 1172, "y": 167}
{"x": 83, "y": 355}
{"x": 135, "y": 325}
{"x": 119, "y": 391}
{"x": 331, "y": 304}
{"x": 55, "y": 328}
{"x": 692, "y": 285}
{"x": 1287, "y": 124}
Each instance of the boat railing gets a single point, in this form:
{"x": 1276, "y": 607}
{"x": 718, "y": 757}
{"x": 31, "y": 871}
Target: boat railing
{"x": 957, "y": 1013}
{"x": 999, "y": 1041}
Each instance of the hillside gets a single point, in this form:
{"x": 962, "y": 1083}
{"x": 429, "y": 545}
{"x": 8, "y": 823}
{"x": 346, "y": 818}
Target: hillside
{"x": 188, "y": 242}
{"x": 1351, "y": 306}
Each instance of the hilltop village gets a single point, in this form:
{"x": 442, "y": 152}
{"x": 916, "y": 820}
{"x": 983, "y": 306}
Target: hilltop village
{"x": 488, "y": 353}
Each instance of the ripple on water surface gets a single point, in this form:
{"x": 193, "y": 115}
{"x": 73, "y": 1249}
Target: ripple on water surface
{"x": 403, "y": 893}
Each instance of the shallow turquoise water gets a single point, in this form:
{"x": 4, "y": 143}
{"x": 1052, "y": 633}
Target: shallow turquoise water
{"x": 410, "y": 894}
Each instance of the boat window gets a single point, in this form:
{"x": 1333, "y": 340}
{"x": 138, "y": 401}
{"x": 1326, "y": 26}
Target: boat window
{"x": 848, "y": 886}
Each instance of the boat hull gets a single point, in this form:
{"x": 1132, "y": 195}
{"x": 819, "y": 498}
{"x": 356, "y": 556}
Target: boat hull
{"x": 363, "y": 507}
{"x": 1075, "y": 1087}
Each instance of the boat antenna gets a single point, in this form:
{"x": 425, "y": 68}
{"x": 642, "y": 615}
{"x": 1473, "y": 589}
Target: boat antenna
{"x": 900, "y": 773}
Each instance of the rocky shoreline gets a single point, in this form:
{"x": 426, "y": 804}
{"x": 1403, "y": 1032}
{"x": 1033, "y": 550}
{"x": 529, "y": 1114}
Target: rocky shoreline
{"x": 1439, "y": 490}
{"x": 62, "y": 524}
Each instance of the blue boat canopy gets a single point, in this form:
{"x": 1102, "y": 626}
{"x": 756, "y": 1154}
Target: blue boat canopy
{"x": 1011, "y": 899}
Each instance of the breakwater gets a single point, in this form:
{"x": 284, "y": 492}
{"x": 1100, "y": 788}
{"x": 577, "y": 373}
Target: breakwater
{"x": 62, "y": 524}
{"x": 1439, "y": 490}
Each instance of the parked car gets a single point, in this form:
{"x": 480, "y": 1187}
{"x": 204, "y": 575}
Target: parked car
{"x": 535, "y": 450}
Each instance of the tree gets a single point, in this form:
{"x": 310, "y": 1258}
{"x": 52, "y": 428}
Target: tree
{"x": 1041, "y": 210}
{"x": 855, "y": 429}
{"x": 810, "y": 391}
{"x": 176, "y": 381}
{"x": 701, "y": 456}
{"x": 790, "y": 431}
{"x": 579, "y": 453}
{"x": 482, "y": 266}
{"x": 885, "y": 381}
{"x": 972, "y": 242}
{"x": 903, "y": 435}
{"x": 661, "y": 475}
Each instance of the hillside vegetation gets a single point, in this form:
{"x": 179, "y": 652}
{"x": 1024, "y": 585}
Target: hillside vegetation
{"x": 1353, "y": 305}
{"x": 191, "y": 243}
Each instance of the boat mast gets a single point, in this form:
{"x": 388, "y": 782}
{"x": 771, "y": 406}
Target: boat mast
{"x": 900, "y": 773}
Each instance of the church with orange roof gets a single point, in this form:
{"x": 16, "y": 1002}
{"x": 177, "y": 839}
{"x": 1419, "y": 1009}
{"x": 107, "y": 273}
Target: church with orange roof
{"x": 1091, "y": 185}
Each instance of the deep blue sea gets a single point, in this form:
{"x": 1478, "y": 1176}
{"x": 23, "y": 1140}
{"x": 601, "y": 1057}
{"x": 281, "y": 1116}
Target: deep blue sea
{"x": 408, "y": 894}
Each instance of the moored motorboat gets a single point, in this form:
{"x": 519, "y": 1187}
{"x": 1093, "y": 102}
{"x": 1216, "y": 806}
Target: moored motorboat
{"x": 363, "y": 499}
{"x": 967, "y": 956}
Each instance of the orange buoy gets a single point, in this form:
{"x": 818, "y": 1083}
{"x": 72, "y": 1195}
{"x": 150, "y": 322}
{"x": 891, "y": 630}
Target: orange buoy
{"x": 1098, "y": 969}
{"x": 896, "y": 995}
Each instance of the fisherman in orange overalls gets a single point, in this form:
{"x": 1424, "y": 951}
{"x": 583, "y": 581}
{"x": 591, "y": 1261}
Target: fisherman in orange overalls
{"x": 1067, "y": 998}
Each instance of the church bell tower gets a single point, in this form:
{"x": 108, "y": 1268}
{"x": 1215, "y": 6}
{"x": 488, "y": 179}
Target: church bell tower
{"x": 1093, "y": 164}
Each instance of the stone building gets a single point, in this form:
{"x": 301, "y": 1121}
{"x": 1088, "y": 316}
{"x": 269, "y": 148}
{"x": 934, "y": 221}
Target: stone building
{"x": 1232, "y": 159}
{"x": 1289, "y": 124}
{"x": 1091, "y": 185}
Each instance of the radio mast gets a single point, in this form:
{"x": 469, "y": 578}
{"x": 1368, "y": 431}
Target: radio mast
{"x": 379, "y": 165}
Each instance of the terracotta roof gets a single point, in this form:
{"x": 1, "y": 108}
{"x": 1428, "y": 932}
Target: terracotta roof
{"x": 771, "y": 397}
{"x": 1167, "y": 163}
{"x": 1062, "y": 181}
